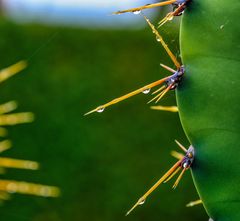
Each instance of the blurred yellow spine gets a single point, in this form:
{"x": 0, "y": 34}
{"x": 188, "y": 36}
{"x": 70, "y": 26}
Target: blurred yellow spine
{"x": 9, "y": 119}
{"x": 18, "y": 118}
{"x": 19, "y": 164}
{"x": 8, "y": 107}
{"x": 194, "y": 203}
{"x": 165, "y": 108}
{"x": 12, "y": 70}
{"x": 12, "y": 186}
{"x": 5, "y": 145}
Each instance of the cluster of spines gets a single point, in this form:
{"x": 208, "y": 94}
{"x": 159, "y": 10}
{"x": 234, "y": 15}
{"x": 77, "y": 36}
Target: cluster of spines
{"x": 169, "y": 83}
{"x": 8, "y": 119}
{"x": 166, "y": 84}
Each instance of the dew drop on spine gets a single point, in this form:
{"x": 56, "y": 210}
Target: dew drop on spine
{"x": 100, "y": 110}
{"x": 146, "y": 91}
{"x": 137, "y": 12}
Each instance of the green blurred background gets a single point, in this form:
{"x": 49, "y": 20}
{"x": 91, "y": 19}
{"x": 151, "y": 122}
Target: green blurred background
{"x": 102, "y": 162}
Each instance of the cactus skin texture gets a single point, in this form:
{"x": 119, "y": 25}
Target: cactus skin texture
{"x": 208, "y": 101}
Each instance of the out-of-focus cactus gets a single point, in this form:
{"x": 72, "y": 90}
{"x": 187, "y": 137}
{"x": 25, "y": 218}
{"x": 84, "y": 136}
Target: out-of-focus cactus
{"x": 9, "y": 119}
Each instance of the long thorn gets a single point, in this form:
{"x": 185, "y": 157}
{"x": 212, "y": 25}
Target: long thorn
{"x": 12, "y": 186}
{"x": 18, "y": 118}
{"x": 161, "y": 180}
{"x": 172, "y": 175}
{"x": 165, "y": 46}
{"x": 157, "y": 96}
{"x": 178, "y": 179}
{"x": 194, "y": 203}
{"x": 168, "y": 68}
{"x": 160, "y": 95}
{"x": 8, "y": 107}
{"x": 176, "y": 154}
{"x": 181, "y": 146}
{"x": 170, "y": 15}
{"x": 180, "y": 9}
{"x": 159, "y": 89}
{"x": 165, "y": 108}
{"x": 19, "y": 164}
{"x": 167, "y": 18}
{"x": 140, "y": 90}
{"x": 164, "y": 92}
{"x": 12, "y": 70}
{"x": 146, "y": 7}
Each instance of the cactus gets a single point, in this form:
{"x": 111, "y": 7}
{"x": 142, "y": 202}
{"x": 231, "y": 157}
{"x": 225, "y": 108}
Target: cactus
{"x": 207, "y": 95}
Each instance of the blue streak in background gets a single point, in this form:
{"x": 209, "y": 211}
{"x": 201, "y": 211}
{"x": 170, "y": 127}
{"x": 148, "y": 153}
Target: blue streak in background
{"x": 88, "y": 14}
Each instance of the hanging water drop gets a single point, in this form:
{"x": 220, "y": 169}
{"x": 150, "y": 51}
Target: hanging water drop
{"x": 158, "y": 38}
{"x": 185, "y": 165}
{"x": 137, "y": 12}
{"x": 141, "y": 202}
{"x": 146, "y": 91}
{"x": 100, "y": 110}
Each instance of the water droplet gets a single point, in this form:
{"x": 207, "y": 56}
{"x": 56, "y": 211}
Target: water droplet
{"x": 185, "y": 165}
{"x": 100, "y": 110}
{"x": 146, "y": 91}
{"x": 158, "y": 38}
{"x": 141, "y": 202}
{"x": 137, "y": 12}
